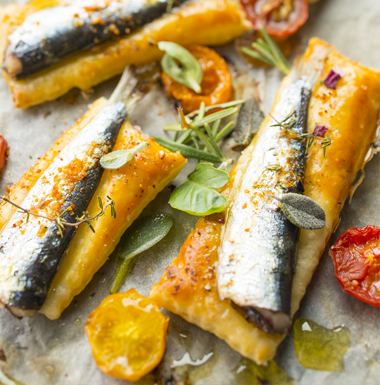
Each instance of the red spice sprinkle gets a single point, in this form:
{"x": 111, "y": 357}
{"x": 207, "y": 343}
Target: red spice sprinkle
{"x": 171, "y": 271}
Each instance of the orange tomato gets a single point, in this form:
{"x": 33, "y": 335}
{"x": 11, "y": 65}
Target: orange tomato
{"x": 127, "y": 335}
{"x": 216, "y": 83}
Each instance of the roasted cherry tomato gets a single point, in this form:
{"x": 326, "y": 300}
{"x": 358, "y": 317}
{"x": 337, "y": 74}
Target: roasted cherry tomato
{"x": 4, "y": 148}
{"x": 283, "y": 19}
{"x": 216, "y": 83}
{"x": 127, "y": 335}
{"x": 356, "y": 256}
{"x": 256, "y": 9}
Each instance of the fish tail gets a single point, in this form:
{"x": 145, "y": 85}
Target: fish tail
{"x": 133, "y": 85}
{"x": 309, "y": 67}
{"x": 124, "y": 90}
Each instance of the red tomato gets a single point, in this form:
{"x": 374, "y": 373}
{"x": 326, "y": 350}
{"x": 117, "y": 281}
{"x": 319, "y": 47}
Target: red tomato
{"x": 4, "y": 148}
{"x": 280, "y": 18}
{"x": 356, "y": 256}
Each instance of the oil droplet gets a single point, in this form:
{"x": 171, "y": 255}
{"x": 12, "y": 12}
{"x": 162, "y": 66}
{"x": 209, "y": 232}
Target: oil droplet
{"x": 50, "y": 368}
{"x": 189, "y": 369}
{"x": 186, "y": 360}
{"x": 368, "y": 363}
{"x": 320, "y": 348}
{"x": 148, "y": 270}
{"x": 249, "y": 373}
{"x": 77, "y": 321}
{"x": 186, "y": 341}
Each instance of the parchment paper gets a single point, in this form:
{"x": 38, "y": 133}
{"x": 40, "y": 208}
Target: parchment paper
{"x": 40, "y": 351}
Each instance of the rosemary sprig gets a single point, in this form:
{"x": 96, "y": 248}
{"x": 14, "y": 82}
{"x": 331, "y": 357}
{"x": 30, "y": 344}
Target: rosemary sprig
{"x": 201, "y": 133}
{"x": 267, "y": 51}
{"x": 287, "y": 123}
{"x": 85, "y": 218}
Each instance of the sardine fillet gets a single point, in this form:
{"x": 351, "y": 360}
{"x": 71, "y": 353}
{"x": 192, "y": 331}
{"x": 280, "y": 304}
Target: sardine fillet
{"x": 131, "y": 188}
{"x": 221, "y": 21}
{"x": 351, "y": 112}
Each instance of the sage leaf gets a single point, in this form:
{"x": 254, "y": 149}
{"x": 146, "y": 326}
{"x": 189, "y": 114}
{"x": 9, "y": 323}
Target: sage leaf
{"x": 303, "y": 211}
{"x": 190, "y": 74}
{"x": 142, "y": 235}
{"x": 197, "y": 196}
{"x": 248, "y": 123}
{"x": 116, "y": 159}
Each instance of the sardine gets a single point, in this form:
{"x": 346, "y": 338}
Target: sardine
{"x": 258, "y": 244}
{"x": 31, "y": 247}
{"x": 49, "y": 35}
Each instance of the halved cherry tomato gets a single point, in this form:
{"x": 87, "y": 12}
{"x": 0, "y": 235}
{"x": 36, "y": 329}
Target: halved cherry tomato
{"x": 356, "y": 256}
{"x": 4, "y": 149}
{"x": 256, "y": 9}
{"x": 283, "y": 20}
{"x": 127, "y": 335}
{"x": 216, "y": 83}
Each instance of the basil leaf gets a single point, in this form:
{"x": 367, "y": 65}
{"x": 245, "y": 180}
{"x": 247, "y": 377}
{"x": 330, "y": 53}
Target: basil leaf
{"x": 303, "y": 211}
{"x": 190, "y": 74}
{"x": 197, "y": 196}
{"x": 116, "y": 159}
{"x": 142, "y": 235}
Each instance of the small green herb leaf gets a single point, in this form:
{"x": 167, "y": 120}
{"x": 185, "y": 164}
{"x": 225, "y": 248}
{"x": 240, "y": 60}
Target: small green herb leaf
{"x": 190, "y": 74}
{"x": 142, "y": 235}
{"x": 197, "y": 196}
{"x": 120, "y": 158}
{"x": 303, "y": 211}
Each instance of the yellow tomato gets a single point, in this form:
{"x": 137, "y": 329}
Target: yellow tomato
{"x": 127, "y": 335}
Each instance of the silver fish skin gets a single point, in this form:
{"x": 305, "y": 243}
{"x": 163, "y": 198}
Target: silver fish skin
{"x": 258, "y": 242}
{"x": 30, "y": 250}
{"x": 49, "y": 35}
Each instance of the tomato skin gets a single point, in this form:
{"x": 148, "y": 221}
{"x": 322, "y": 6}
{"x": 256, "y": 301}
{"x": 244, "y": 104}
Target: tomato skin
{"x": 280, "y": 29}
{"x": 256, "y": 9}
{"x": 356, "y": 256}
{"x": 4, "y": 148}
{"x": 127, "y": 335}
{"x": 216, "y": 84}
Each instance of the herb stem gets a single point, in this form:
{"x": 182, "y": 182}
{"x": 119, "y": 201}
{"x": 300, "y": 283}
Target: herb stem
{"x": 61, "y": 224}
{"x": 268, "y": 51}
{"x": 226, "y": 130}
{"x": 216, "y": 126}
{"x": 234, "y": 103}
{"x": 286, "y": 124}
{"x": 188, "y": 151}
{"x": 123, "y": 271}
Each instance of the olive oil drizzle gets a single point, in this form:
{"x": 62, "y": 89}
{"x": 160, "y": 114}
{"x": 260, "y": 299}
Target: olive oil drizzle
{"x": 320, "y": 348}
{"x": 249, "y": 373}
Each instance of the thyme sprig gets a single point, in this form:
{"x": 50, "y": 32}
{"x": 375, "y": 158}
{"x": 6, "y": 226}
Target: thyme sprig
{"x": 85, "y": 218}
{"x": 288, "y": 122}
{"x": 268, "y": 51}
